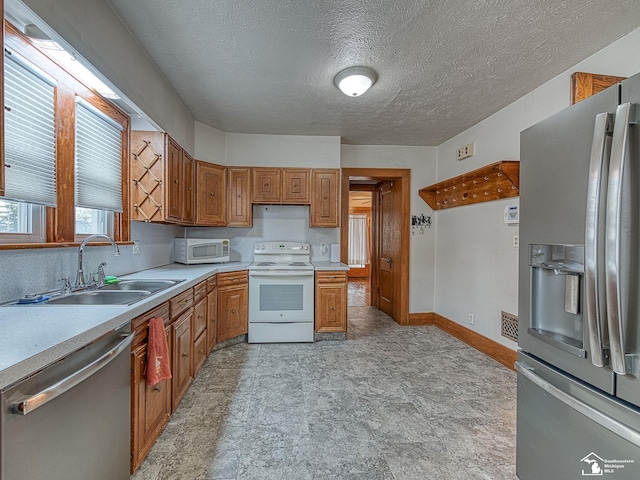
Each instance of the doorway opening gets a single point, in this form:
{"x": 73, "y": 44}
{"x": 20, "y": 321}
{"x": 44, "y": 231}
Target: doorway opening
{"x": 384, "y": 267}
{"x": 359, "y": 244}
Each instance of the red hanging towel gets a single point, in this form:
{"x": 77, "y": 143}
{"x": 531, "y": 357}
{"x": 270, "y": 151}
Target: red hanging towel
{"x": 157, "y": 368}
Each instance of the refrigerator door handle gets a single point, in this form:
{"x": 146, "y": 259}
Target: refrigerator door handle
{"x": 578, "y": 405}
{"x": 615, "y": 319}
{"x": 598, "y": 167}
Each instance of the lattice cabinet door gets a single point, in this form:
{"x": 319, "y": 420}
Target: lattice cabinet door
{"x": 147, "y": 168}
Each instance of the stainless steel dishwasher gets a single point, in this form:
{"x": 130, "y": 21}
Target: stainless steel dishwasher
{"x": 71, "y": 420}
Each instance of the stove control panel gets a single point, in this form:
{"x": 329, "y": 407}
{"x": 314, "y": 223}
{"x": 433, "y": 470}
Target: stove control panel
{"x": 282, "y": 247}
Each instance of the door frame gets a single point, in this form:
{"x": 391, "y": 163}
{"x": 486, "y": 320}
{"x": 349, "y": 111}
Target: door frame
{"x": 401, "y": 315}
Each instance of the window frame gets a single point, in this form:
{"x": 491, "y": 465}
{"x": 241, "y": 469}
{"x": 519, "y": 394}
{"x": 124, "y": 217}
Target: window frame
{"x": 60, "y": 220}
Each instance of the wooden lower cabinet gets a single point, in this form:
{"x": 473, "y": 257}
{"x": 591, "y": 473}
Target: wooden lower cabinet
{"x": 233, "y": 305}
{"x": 191, "y": 328}
{"x": 152, "y": 408}
{"x": 331, "y": 301}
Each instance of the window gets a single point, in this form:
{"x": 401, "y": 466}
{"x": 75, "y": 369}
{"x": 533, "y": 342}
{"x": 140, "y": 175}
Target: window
{"x": 66, "y": 149}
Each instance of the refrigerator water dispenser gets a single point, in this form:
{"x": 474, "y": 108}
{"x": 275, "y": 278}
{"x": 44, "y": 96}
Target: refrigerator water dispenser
{"x": 557, "y": 284}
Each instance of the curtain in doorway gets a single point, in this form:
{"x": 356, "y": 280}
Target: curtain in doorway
{"x": 359, "y": 242}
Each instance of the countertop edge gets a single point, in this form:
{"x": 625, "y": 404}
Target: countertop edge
{"x": 17, "y": 366}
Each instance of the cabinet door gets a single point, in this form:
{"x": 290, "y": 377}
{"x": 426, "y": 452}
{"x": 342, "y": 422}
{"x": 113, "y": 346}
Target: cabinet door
{"x": 188, "y": 190}
{"x": 239, "y": 200}
{"x": 147, "y": 171}
{"x": 211, "y": 191}
{"x": 182, "y": 358}
{"x": 331, "y": 301}
{"x": 212, "y": 320}
{"x": 265, "y": 185}
{"x": 325, "y": 201}
{"x": 199, "y": 352}
{"x": 295, "y": 186}
{"x": 199, "y": 318}
{"x": 232, "y": 311}
{"x": 174, "y": 182}
{"x": 151, "y": 407}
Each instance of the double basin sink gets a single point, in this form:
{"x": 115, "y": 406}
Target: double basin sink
{"x": 126, "y": 292}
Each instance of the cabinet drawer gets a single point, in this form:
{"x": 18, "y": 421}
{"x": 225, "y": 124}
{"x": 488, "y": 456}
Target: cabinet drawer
{"x": 331, "y": 277}
{"x": 212, "y": 282}
{"x": 232, "y": 278}
{"x": 200, "y": 291}
{"x": 141, "y": 324}
{"x": 180, "y": 303}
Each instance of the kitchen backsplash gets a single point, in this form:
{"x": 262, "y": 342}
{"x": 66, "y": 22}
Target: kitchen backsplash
{"x": 38, "y": 270}
{"x": 272, "y": 223}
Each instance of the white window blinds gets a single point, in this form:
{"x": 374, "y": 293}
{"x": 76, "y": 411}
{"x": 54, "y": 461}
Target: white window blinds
{"x": 97, "y": 160}
{"x": 30, "y": 148}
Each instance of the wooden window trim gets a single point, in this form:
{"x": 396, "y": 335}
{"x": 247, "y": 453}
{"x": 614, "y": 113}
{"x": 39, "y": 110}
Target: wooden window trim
{"x": 60, "y": 221}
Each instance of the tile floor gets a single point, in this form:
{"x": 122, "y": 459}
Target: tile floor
{"x": 359, "y": 292}
{"x": 390, "y": 402}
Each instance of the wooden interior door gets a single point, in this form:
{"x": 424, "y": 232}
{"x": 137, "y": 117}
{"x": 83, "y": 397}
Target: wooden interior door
{"x": 388, "y": 230}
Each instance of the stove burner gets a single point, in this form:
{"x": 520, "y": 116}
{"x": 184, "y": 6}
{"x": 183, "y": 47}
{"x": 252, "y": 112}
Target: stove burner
{"x": 298, "y": 264}
{"x": 265, "y": 264}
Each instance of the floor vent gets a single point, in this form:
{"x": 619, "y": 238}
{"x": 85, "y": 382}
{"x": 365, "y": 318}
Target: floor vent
{"x": 510, "y": 326}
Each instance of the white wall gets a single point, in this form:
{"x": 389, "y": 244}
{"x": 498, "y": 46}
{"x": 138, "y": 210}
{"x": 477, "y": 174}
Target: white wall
{"x": 282, "y": 150}
{"x": 476, "y": 264}
{"x": 422, "y": 162}
{"x": 98, "y": 35}
{"x": 210, "y": 144}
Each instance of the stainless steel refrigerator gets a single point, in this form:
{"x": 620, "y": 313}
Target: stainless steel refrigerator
{"x": 579, "y": 291}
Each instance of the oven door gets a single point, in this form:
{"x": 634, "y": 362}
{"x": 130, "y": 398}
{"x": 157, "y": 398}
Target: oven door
{"x": 281, "y": 296}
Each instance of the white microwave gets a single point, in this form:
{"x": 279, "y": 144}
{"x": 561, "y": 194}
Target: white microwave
{"x": 201, "y": 250}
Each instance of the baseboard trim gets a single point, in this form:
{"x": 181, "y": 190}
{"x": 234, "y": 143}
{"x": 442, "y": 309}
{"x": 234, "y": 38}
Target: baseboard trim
{"x": 489, "y": 347}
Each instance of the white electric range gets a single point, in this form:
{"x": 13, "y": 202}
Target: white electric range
{"x": 281, "y": 293}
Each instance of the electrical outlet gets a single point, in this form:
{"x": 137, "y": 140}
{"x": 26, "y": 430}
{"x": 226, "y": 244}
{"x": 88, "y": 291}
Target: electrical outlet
{"x": 136, "y": 247}
{"x": 465, "y": 152}
{"x": 516, "y": 241}
{"x": 472, "y": 318}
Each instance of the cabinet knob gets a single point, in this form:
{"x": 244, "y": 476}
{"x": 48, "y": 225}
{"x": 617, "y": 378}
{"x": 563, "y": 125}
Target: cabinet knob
{"x": 325, "y": 197}
{"x": 233, "y": 311}
{"x": 157, "y": 388}
{"x": 295, "y": 185}
{"x": 186, "y": 355}
{"x": 331, "y": 308}
{"x": 212, "y": 194}
{"x": 175, "y": 181}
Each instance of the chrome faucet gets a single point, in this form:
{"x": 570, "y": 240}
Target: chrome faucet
{"x": 80, "y": 281}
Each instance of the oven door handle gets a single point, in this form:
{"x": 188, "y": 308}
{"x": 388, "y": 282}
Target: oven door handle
{"x": 282, "y": 273}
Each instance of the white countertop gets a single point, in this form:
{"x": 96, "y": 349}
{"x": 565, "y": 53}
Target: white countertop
{"x": 33, "y": 336}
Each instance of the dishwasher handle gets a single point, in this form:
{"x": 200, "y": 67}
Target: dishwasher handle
{"x": 41, "y": 398}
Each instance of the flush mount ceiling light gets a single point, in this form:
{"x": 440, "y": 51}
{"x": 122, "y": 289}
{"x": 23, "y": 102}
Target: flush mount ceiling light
{"x": 354, "y": 81}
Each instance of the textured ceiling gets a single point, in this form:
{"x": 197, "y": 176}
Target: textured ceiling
{"x": 267, "y": 66}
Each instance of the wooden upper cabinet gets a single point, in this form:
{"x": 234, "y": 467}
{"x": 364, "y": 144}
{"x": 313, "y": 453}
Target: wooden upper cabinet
{"x": 583, "y": 84}
{"x": 188, "y": 193}
{"x": 174, "y": 179}
{"x": 211, "y": 191}
{"x": 325, "y": 198}
{"x": 161, "y": 179}
{"x": 295, "y": 186}
{"x": 239, "y": 198}
{"x": 266, "y": 185}
{"x": 289, "y": 186}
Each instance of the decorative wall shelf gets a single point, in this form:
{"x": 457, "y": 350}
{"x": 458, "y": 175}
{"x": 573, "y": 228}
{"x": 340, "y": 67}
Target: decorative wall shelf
{"x": 492, "y": 182}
